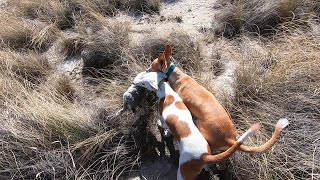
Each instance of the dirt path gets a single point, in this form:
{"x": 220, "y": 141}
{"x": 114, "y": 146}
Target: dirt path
{"x": 184, "y": 15}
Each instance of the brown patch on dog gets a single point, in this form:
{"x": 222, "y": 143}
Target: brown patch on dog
{"x": 179, "y": 129}
{"x": 180, "y": 105}
{"x": 191, "y": 169}
{"x": 167, "y": 101}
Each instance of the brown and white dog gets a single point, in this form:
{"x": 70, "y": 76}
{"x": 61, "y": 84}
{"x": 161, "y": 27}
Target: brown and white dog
{"x": 213, "y": 121}
{"x": 194, "y": 150}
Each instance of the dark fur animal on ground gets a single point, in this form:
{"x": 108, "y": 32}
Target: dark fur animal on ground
{"x": 132, "y": 99}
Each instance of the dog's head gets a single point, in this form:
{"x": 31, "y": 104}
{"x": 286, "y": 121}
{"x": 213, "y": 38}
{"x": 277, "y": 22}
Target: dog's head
{"x": 149, "y": 80}
{"x": 162, "y": 63}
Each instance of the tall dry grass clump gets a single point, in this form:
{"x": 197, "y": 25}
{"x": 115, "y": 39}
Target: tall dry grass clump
{"x": 37, "y": 129}
{"x": 14, "y": 33}
{"x": 186, "y": 52}
{"x": 52, "y": 11}
{"x": 31, "y": 66}
{"x": 262, "y": 16}
{"x": 43, "y": 38}
{"x": 102, "y": 51}
{"x": 48, "y": 132}
{"x": 279, "y": 79}
{"x": 101, "y": 43}
{"x": 111, "y": 8}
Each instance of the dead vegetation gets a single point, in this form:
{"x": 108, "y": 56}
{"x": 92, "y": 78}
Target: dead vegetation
{"x": 261, "y": 16}
{"x": 25, "y": 66}
{"x": 54, "y": 126}
{"x": 14, "y": 33}
{"x": 50, "y": 128}
{"x": 53, "y": 11}
{"x": 45, "y": 37}
{"x": 186, "y": 53}
{"x": 278, "y": 79}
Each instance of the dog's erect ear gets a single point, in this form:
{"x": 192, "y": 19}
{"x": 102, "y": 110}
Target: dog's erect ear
{"x": 162, "y": 60}
{"x": 167, "y": 51}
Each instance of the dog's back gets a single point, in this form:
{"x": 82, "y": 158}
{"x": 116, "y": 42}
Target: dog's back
{"x": 179, "y": 120}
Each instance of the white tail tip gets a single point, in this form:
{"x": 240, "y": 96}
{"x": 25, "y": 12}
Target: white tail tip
{"x": 252, "y": 130}
{"x": 255, "y": 127}
{"x": 282, "y": 123}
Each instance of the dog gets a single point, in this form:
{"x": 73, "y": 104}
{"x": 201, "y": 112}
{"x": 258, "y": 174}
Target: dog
{"x": 213, "y": 121}
{"x": 194, "y": 150}
{"x": 132, "y": 98}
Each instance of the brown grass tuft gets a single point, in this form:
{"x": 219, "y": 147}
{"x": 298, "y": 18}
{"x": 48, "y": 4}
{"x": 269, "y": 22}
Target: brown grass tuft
{"x": 149, "y": 6}
{"x": 186, "y": 53}
{"x": 53, "y": 11}
{"x": 111, "y": 8}
{"x": 102, "y": 51}
{"x": 25, "y": 66}
{"x": 280, "y": 79}
{"x": 259, "y": 16}
{"x": 14, "y": 33}
{"x": 72, "y": 46}
{"x": 43, "y": 39}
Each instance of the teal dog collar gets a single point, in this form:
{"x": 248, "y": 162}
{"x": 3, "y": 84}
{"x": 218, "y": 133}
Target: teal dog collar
{"x": 170, "y": 70}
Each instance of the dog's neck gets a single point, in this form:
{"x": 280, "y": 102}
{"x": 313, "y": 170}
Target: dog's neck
{"x": 164, "y": 90}
{"x": 175, "y": 78}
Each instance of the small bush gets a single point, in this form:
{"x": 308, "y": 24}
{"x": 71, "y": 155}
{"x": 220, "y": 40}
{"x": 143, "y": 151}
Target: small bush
{"x": 25, "y": 66}
{"x": 53, "y": 11}
{"x": 186, "y": 53}
{"x": 14, "y": 33}
{"x": 72, "y": 46}
{"x": 280, "y": 79}
{"x": 43, "y": 39}
{"x": 102, "y": 51}
{"x": 260, "y": 16}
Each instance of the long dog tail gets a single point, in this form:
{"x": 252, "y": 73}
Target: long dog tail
{"x": 282, "y": 123}
{"x": 212, "y": 159}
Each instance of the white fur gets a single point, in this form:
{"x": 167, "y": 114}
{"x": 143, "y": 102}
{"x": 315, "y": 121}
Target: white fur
{"x": 193, "y": 146}
{"x": 149, "y": 80}
{"x": 245, "y": 135}
{"x": 282, "y": 123}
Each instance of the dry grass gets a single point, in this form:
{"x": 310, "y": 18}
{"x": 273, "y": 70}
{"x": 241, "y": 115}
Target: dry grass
{"x": 260, "y": 16}
{"x": 102, "y": 50}
{"x": 111, "y": 8}
{"x": 72, "y": 46}
{"x": 280, "y": 79}
{"x": 56, "y": 127}
{"x": 47, "y": 132}
{"x": 24, "y": 66}
{"x": 14, "y": 33}
{"x": 53, "y": 11}
{"x": 186, "y": 53}
{"x": 44, "y": 38}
